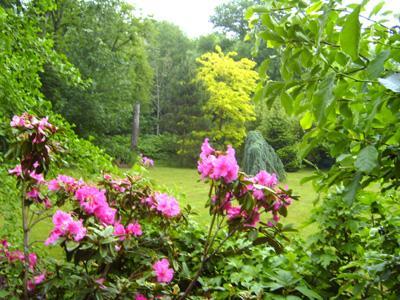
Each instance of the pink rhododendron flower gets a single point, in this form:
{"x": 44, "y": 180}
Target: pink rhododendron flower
{"x": 276, "y": 217}
{"x": 90, "y": 198}
{"x": 5, "y": 243}
{"x": 17, "y": 121}
{"x": 32, "y": 260}
{"x": 119, "y": 231}
{"x": 53, "y": 185}
{"x": 33, "y": 193}
{"x": 31, "y": 285}
{"x": 163, "y": 272}
{"x": 15, "y": 256}
{"x": 16, "y": 171}
{"x": 39, "y": 278}
{"x": 266, "y": 179}
{"x": 105, "y": 214}
{"x": 140, "y": 297}
{"x": 107, "y": 177}
{"x": 253, "y": 219}
{"x": 93, "y": 201}
{"x": 206, "y": 149}
{"x": 100, "y": 282}
{"x": 258, "y": 194}
{"x": 69, "y": 183}
{"x": 39, "y": 138}
{"x": 47, "y": 203}
{"x": 167, "y": 205}
{"x": 134, "y": 229}
{"x": 38, "y": 177}
{"x": 147, "y": 162}
{"x": 223, "y": 166}
{"x": 64, "y": 225}
{"x": 235, "y": 212}
{"x": 35, "y": 281}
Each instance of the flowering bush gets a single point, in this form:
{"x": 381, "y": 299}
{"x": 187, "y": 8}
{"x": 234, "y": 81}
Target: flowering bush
{"x": 147, "y": 162}
{"x": 122, "y": 237}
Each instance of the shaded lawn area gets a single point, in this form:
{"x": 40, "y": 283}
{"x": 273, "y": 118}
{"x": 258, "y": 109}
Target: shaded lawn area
{"x": 195, "y": 192}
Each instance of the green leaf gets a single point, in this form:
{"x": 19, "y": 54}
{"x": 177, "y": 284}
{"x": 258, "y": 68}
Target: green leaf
{"x": 350, "y": 34}
{"x": 377, "y": 8}
{"x": 314, "y": 7}
{"x": 352, "y": 189}
{"x": 367, "y": 159}
{"x": 306, "y": 120}
{"x": 376, "y": 66}
{"x": 323, "y": 97}
{"x": 308, "y": 292}
{"x": 287, "y": 102}
{"x": 391, "y": 82}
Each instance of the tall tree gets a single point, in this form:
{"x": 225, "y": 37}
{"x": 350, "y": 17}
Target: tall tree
{"x": 229, "y": 85}
{"x": 106, "y": 43}
{"x": 171, "y": 59}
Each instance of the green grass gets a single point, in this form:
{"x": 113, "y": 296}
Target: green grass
{"x": 186, "y": 181}
{"x": 195, "y": 193}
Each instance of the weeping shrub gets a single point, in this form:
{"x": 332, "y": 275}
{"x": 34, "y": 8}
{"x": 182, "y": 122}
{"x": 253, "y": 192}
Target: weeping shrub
{"x": 259, "y": 155}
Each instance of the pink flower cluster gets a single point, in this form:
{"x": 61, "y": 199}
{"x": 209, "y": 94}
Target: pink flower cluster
{"x": 16, "y": 255}
{"x": 259, "y": 182}
{"x": 119, "y": 185}
{"x": 217, "y": 166}
{"x": 32, "y": 283}
{"x": 131, "y": 229}
{"x": 94, "y": 202}
{"x": 65, "y": 226}
{"x": 68, "y": 183}
{"x": 165, "y": 204}
{"x": 147, "y": 162}
{"x": 40, "y": 127}
{"x": 163, "y": 272}
{"x": 18, "y": 172}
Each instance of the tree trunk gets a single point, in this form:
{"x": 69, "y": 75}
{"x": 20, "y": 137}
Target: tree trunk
{"x": 135, "y": 126}
{"x": 158, "y": 103}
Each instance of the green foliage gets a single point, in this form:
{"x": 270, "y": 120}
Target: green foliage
{"x": 282, "y": 132}
{"x": 107, "y": 45}
{"x": 289, "y": 157}
{"x": 229, "y": 17}
{"x": 340, "y": 78}
{"x": 23, "y": 54}
{"x": 159, "y": 147}
{"x": 259, "y": 155}
{"x": 118, "y": 146}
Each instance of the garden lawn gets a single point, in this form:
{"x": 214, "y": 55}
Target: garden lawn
{"x": 195, "y": 193}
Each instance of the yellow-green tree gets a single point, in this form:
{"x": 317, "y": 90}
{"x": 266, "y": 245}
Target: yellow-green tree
{"x": 229, "y": 84}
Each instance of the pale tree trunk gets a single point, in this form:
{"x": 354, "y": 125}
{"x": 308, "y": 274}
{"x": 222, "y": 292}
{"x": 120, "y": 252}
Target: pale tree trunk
{"x": 135, "y": 126}
{"x": 158, "y": 103}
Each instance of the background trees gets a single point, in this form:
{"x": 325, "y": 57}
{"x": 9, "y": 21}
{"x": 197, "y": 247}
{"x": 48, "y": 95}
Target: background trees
{"x": 106, "y": 42}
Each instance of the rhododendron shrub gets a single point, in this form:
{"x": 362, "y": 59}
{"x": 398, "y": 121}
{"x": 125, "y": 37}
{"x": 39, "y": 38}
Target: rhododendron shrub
{"x": 238, "y": 203}
{"x": 32, "y": 148}
{"x": 12, "y": 263}
{"x": 121, "y": 237}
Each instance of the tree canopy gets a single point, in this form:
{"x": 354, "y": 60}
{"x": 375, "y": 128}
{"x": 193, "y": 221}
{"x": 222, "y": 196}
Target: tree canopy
{"x": 229, "y": 85}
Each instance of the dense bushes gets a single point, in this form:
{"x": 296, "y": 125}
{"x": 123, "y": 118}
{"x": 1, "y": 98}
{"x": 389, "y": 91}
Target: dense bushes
{"x": 163, "y": 147}
{"x": 283, "y": 133}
